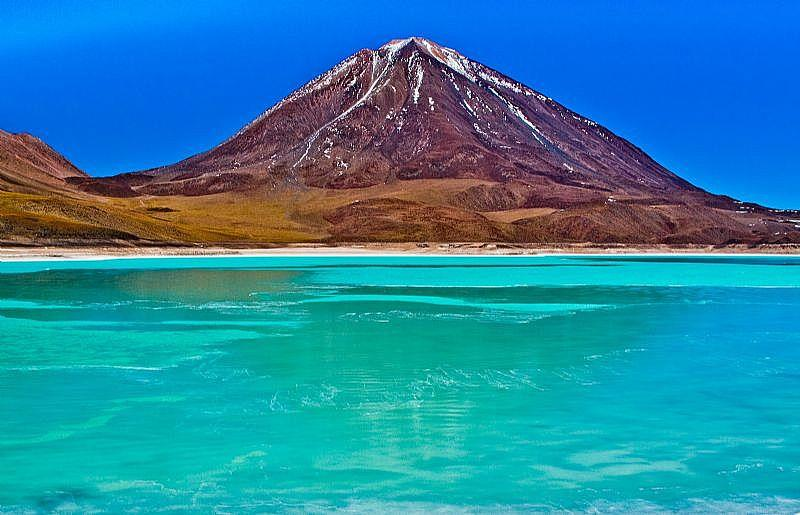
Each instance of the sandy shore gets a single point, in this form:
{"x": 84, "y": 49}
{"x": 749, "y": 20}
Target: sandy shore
{"x": 36, "y": 253}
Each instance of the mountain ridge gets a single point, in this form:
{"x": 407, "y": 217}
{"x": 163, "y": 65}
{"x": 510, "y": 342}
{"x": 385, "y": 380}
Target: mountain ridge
{"x": 28, "y": 164}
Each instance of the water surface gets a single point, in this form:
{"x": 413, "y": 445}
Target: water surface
{"x": 401, "y": 384}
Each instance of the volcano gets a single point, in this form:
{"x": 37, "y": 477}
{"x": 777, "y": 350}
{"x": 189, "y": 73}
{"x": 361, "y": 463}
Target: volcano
{"x": 414, "y": 141}
{"x": 416, "y": 110}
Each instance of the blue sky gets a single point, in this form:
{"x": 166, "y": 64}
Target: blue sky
{"x": 709, "y": 89}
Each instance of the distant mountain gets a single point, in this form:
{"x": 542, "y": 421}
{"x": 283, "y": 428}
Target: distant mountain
{"x": 413, "y": 141}
{"x": 40, "y": 203}
{"x": 28, "y": 165}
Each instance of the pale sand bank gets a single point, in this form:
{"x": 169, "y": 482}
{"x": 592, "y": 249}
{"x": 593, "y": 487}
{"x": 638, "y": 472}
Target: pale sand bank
{"x": 378, "y": 249}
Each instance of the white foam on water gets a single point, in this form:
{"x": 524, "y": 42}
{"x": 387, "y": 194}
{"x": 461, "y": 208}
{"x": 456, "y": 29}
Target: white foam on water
{"x": 36, "y": 368}
{"x": 447, "y": 301}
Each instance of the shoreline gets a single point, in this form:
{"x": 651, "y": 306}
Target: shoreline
{"x": 45, "y": 253}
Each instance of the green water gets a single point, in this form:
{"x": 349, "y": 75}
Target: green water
{"x": 401, "y": 384}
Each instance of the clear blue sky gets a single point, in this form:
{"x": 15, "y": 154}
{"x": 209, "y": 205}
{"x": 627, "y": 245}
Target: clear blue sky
{"x": 711, "y": 89}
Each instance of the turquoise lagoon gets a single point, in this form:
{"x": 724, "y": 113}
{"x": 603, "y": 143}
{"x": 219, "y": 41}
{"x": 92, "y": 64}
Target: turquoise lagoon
{"x": 401, "y": 384}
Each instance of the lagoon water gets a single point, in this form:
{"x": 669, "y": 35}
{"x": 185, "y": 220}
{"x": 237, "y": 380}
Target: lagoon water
{"x": 401, "y": 384}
